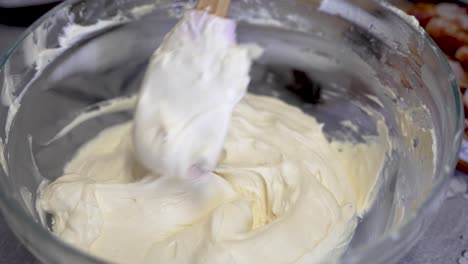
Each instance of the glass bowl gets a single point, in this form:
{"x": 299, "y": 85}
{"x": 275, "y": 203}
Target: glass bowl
{"x": 84, "y": 53}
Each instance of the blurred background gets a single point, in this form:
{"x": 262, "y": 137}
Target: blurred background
{"x": 447, "y": 22}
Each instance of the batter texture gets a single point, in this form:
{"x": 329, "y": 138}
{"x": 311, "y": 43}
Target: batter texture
{"x": 281, "y": 193}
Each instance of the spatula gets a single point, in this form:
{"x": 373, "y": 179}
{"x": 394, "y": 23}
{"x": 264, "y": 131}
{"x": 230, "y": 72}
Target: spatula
{"x": 192, "y": 84}
{"x": 215, "y": 7}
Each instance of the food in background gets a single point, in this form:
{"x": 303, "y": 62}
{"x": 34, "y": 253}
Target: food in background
{"x": 447, "y": 24}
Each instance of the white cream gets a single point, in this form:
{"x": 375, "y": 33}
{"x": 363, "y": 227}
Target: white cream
{"x": 192, "y": 83}
{"x": 281, "y": 193}
{"x": 186, "y": 183}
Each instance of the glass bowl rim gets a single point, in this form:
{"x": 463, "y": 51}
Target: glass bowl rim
{"x": 12, "y": 208}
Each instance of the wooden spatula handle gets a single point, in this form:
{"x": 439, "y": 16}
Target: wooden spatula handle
{"x": 215, "y": 7}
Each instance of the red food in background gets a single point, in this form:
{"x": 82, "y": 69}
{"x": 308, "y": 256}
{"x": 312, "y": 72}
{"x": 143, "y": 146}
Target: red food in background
{"x": 454, "y": 13}
{"x": 462, "y": 55}
{"x": 447, "y": 34}
{"x": 447, "y": 24}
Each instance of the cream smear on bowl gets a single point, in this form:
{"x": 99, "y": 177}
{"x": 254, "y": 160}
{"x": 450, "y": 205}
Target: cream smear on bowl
{"x": 280, "y": 193}
{"x": 265, "y": 195}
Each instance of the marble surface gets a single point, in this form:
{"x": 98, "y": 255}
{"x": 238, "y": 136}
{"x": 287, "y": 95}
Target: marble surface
{"x": 446, "y": 240}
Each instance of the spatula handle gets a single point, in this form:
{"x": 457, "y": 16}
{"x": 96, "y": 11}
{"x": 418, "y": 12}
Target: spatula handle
{"x": 215, "y": 7}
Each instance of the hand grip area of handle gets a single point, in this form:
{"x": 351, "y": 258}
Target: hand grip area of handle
{"x": 215, "y": 7}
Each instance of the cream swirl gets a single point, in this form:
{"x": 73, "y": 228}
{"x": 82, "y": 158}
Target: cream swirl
{"x": 281, "y": 193}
